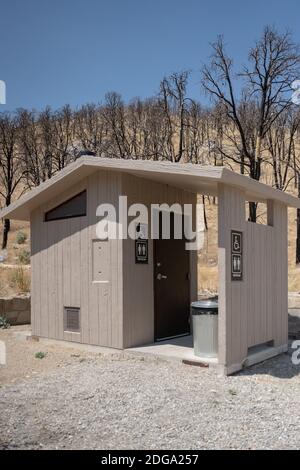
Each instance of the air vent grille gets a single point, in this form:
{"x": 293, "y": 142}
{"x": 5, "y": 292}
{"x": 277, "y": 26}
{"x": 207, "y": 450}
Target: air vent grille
{"x": 72, "y": 319}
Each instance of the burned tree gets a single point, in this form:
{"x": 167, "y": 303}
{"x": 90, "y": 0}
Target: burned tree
{"x": 290, "y": 157}
{"x": 280, "y": 143}
{"x": 90, "y": 129}
{"x": 35, "y": 144}
{"x": 175, "y": 103}
{"x": 63, "y": 151}
{"x": 11, "y": 172}
{"x": 273, "y": 64}
{"x": 28, "y": 145}
{"x": 114, "y": 116}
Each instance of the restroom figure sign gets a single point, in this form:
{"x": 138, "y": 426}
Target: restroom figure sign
{"x": 141, "y": 251}
{"x": 141, "y": 244}
{"x": 236, "y": 255}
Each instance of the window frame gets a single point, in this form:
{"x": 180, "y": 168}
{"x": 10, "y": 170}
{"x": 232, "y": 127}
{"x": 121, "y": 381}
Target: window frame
{"x": 65, "y": 202}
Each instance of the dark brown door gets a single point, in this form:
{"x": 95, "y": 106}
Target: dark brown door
{"x": 171, "y": 286}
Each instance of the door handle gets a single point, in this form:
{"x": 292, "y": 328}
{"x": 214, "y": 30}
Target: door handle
{"x": 160, "y": 276}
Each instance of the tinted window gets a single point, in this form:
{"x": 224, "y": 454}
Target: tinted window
{"x": 74, "y": 207}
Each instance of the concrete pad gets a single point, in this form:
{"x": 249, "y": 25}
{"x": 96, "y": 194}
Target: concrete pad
{"x": 177, "y": 349}
{"x": 22, "y": 335}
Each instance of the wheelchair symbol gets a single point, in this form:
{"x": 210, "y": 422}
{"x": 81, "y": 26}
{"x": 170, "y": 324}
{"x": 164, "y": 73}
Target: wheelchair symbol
{"x": 236, "y": 244}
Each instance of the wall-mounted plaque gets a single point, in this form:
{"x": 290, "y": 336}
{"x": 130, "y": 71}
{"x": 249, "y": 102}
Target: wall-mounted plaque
{"x": 141, "y": 251}
{"x": 141, "y": 243}
{"x": 236, "y": 255}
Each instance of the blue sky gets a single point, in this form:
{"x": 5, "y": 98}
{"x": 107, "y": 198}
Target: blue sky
{"x": 54, "y": 52}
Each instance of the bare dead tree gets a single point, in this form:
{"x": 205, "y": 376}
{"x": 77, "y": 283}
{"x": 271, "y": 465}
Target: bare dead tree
{"x": 45, "y": 125}
{"x": 63, "y": 151}
{"x": 280, "y": 143}
{"x": 35, "y": 144}
{"x": 10, "y": 168}
{"x": 273, "y": 65}
{"x": 29, "y": 147}
{"x": 114, "y": 115}
{"x": 91, "y": 131}
{"x": 136, "y": 128}
{"x": 293, "y": 144}
{"x": 156, "y": 134}
{"x": 196, "y": 119}
{"x": 175, "y": 103}
{"x": 218, "y": 122}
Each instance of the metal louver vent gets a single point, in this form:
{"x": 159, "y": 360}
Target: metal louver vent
{"x": 72, "y": 319}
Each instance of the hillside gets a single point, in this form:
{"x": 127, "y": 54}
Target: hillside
{"x": 15, "y": 267}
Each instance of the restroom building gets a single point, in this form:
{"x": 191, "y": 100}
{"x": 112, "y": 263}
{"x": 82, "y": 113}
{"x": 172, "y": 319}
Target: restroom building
{"x": 123, "y": 293}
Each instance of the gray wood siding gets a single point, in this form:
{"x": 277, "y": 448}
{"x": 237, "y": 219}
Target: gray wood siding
{"x": 64, "y": 272}
{"x": 138, "y": 278}
{"x": 232, "y": 295}
{"x": 254, "y": 311}
{"x": 62, "y": 269}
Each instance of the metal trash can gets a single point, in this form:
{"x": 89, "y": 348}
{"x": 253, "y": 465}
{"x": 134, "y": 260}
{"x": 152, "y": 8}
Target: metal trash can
{"x": 205, "y": 327}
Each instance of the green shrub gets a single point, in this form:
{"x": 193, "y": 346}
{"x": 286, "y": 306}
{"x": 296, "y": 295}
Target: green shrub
{"x": 4, "y": 323}
{"x": 24, "y": 257}
{"x": 20, "y": 280}
{"x": 21, "y": 238}
{"x": 40, "y": 355}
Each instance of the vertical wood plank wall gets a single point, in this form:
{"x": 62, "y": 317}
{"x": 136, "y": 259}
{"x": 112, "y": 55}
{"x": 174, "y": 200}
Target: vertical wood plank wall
{"x": 232, "y": 295}
{"x": 119, "y": 311}
{"x": 255, "y": 310}
{"x": 138, "y": 285}
{"x": 62, "y": 269}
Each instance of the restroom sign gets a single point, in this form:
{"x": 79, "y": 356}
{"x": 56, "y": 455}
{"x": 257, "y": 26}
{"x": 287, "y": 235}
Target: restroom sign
{"x": 141, "y": 251}
{"x": 236, "y": 255}
{"x": 141, "y": 243}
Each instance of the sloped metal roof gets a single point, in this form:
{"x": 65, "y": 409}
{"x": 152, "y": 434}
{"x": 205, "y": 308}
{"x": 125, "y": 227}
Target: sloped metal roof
{"x": 188, "y": 176}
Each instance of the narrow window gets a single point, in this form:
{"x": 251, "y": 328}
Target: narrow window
{"x": 74, "y": 207}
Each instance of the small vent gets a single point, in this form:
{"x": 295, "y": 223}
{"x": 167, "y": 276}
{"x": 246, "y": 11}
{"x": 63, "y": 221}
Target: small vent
{"x": 72, "y": 319}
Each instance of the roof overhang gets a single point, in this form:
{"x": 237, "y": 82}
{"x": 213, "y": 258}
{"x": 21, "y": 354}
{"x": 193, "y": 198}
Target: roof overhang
{"x": 195, "y": 178}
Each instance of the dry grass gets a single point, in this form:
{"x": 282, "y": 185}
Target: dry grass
{"x": 208, "y": 256}
{"x": 12, "y": 281}
{"x": 15, "y": 248}
{"x": 20, "y": 280}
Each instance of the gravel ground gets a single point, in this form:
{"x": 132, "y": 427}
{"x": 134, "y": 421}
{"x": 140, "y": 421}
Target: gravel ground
{"x": 124, "y": 402}
{"x": 21, "y": 361}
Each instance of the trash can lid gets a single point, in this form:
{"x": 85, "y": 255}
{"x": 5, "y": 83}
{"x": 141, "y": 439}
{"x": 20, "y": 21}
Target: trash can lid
{"x": 206, "y": 304}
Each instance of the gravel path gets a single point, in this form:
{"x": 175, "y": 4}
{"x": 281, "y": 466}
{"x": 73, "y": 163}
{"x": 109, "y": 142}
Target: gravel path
{"x": 125, "y": 402}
